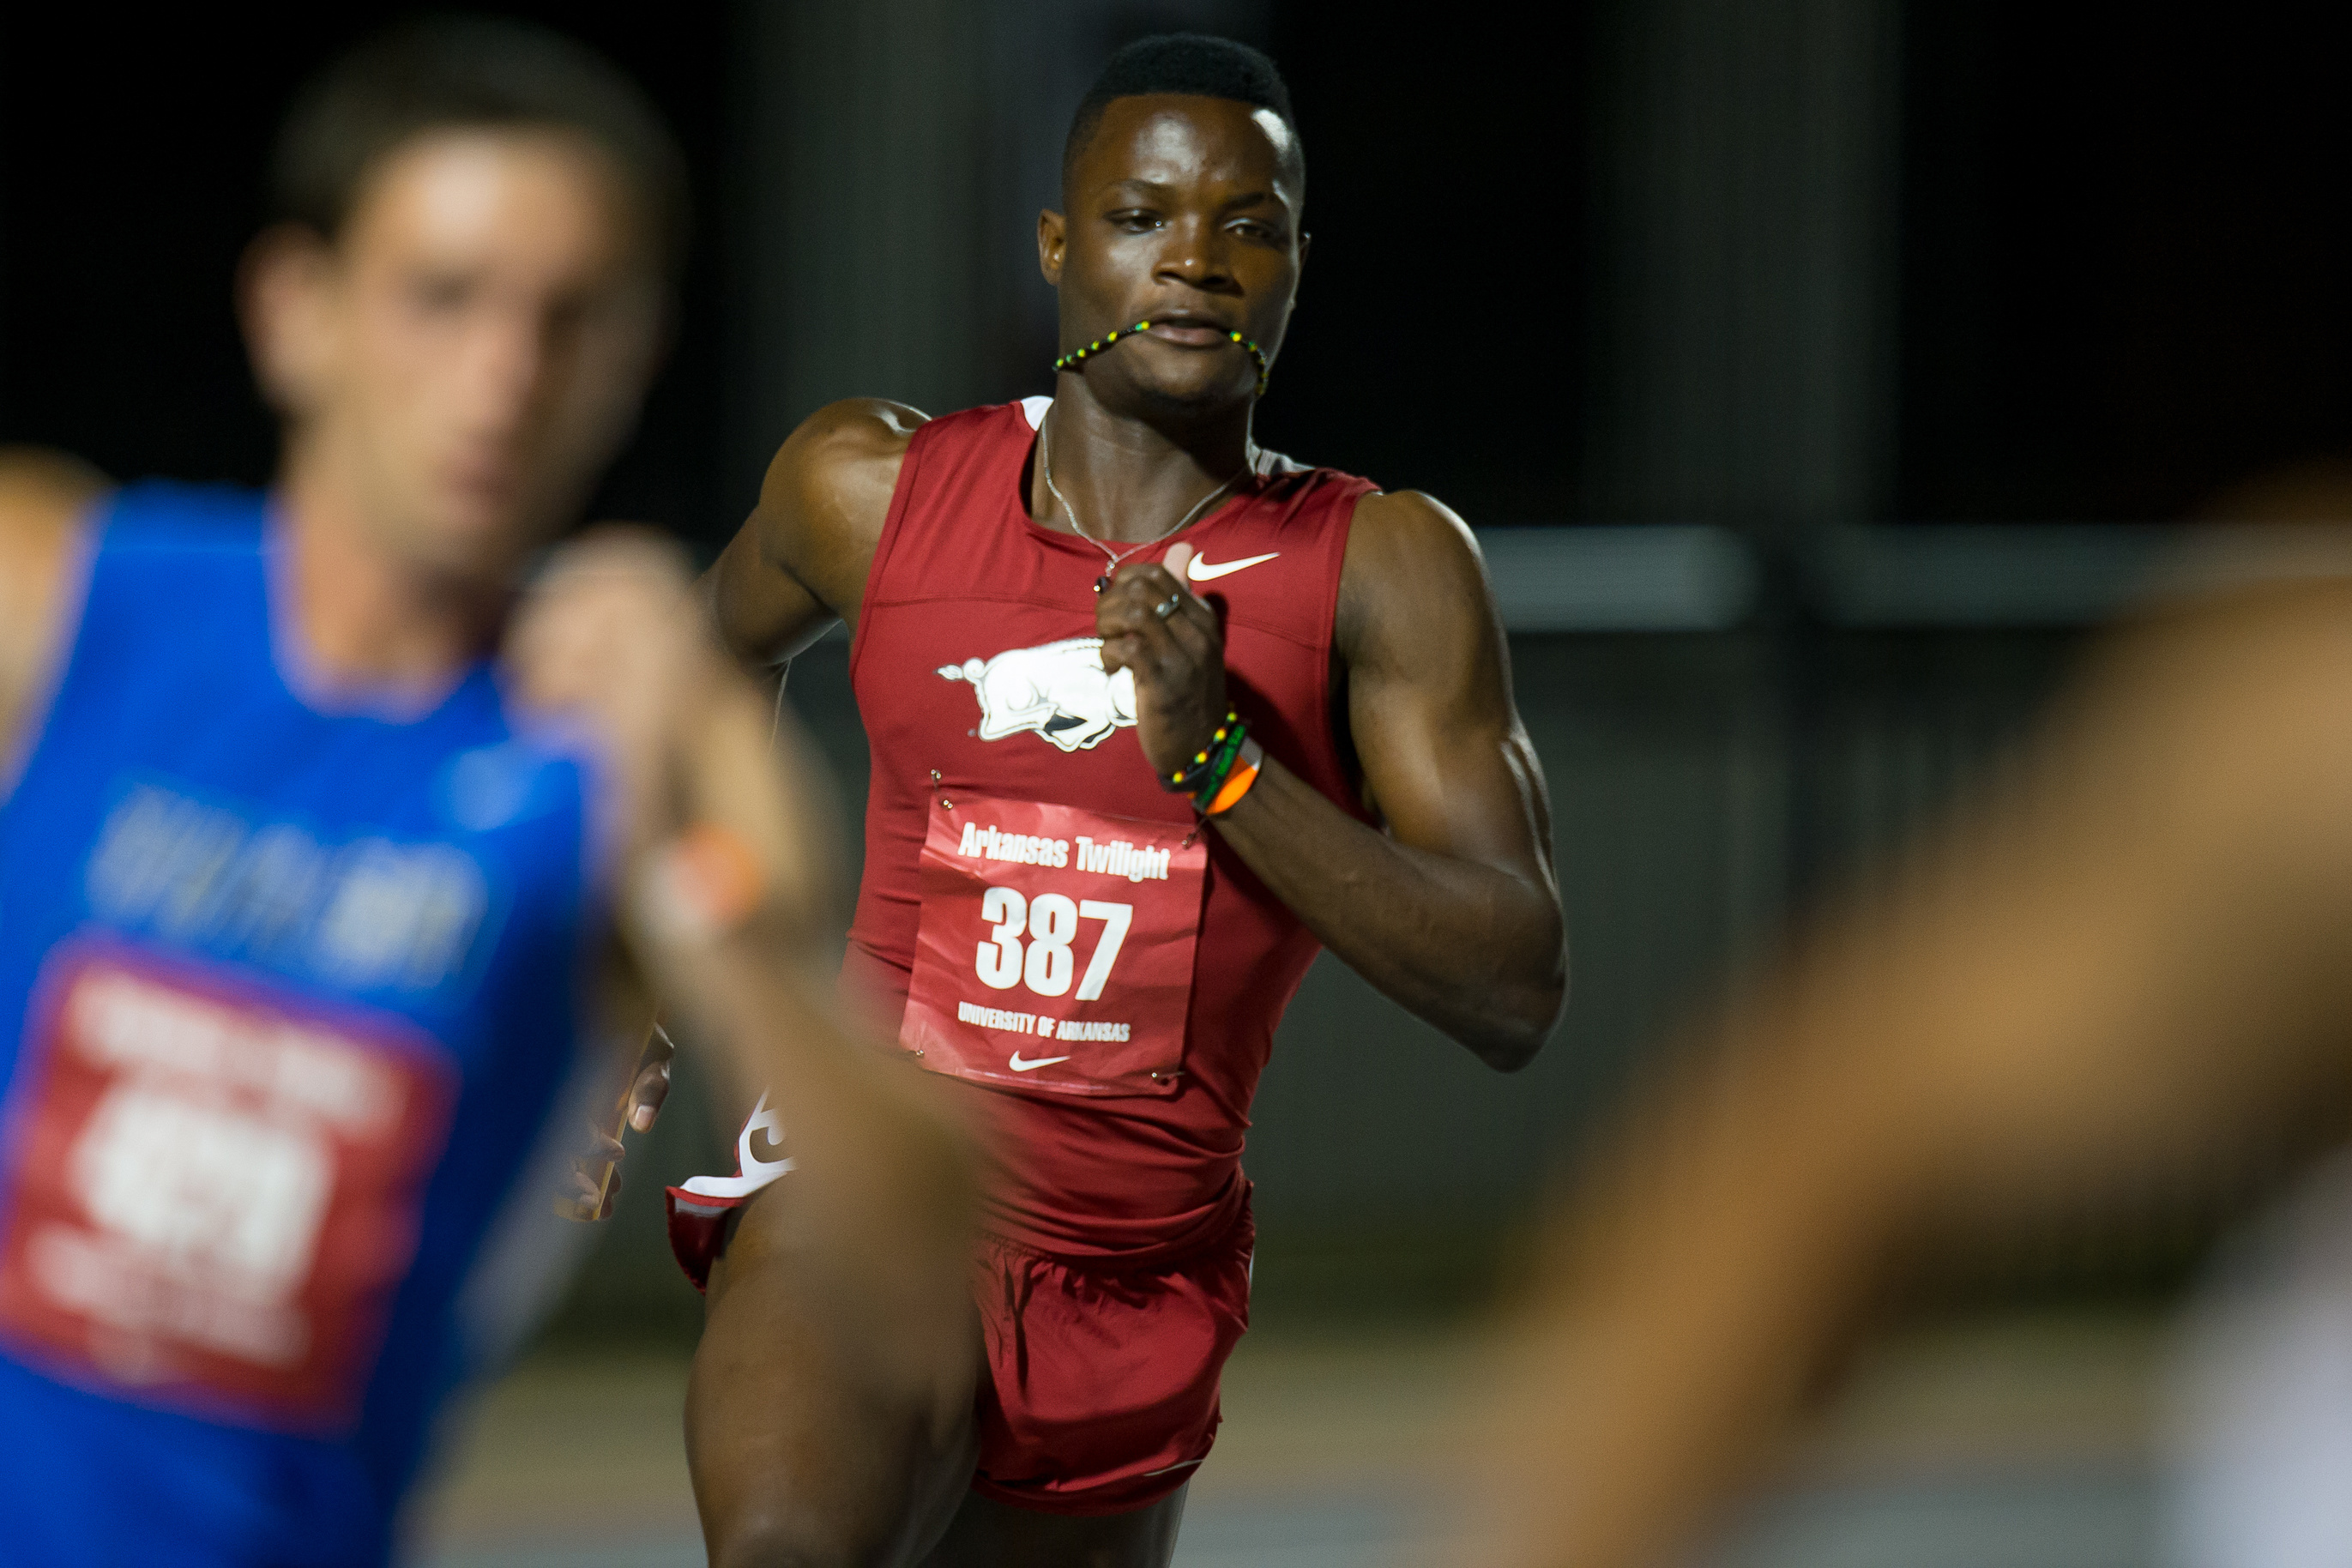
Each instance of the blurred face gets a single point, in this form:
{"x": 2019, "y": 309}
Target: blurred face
{"x": 462, "y": 364}
{"x": 1184, "y": 212}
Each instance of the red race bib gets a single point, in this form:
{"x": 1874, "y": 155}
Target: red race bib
{"x": 213, "y": 1188}
{"x": 1057, "y": 945}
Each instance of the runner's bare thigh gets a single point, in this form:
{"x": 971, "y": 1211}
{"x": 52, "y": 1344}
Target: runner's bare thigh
{"x": 804, "y": 1450}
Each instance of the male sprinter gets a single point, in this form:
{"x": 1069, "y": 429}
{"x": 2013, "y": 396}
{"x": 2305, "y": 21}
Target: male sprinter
{"x": 300, "y": 930}
{"x": 1154, "y": 713}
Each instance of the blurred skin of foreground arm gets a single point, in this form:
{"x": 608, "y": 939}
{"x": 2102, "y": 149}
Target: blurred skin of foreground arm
{"x": 884, "y": 1178}
{"x": 2136, "y": 956}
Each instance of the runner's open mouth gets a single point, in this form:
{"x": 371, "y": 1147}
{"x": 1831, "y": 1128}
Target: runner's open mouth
{"x": 1190, "y": 331}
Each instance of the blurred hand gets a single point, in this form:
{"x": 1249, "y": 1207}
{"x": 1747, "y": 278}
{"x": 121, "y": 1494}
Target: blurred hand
{"x": 595, "y": 1186}
{"x": 611, "y": 640}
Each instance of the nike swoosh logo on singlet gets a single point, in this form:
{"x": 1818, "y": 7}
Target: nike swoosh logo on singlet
{"x": 1020, "y": 1066}
{"x": 1200, "y": 570}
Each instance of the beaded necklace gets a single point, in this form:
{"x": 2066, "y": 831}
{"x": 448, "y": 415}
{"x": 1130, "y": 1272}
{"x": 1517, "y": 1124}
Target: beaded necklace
{"x": 1070, "y": 361}
{"x": 1118, "y": 557}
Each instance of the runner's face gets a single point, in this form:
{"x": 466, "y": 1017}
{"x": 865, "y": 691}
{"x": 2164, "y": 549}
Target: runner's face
{"x": 1185, "y": 212}
{"x": 473, "y": 351}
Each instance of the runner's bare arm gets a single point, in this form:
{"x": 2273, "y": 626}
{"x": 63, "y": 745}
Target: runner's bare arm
{"x": 2138, "y": 957}
{"x": 1454, "y": 911}
{"x": 801, "y": 559}
{"x": 44, "y": 498}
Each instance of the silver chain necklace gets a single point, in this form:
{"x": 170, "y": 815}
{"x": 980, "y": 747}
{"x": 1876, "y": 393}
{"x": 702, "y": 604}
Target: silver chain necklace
{"x": 1118, "y": 557}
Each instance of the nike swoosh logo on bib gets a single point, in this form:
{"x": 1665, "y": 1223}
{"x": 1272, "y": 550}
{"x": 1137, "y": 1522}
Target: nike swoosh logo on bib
{"x": 1020, "y": 1066}
{"x": 1200, "y": 570}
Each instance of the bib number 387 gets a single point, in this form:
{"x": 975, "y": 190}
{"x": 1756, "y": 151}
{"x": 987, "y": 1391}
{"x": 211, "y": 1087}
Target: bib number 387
{"x": 1056, "y": 947}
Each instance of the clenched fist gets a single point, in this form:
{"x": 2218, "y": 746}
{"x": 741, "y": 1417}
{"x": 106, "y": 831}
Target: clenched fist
{"x": 1178, "y": 658}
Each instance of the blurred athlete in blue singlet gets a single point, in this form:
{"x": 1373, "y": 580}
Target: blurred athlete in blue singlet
{"x": 307, "y": 889}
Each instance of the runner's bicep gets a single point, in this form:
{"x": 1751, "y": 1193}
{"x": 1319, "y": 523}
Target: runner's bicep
{"x": 800, "y": 561}
{"x": 1446, "y": 762}
{"x": 762, "y": 611}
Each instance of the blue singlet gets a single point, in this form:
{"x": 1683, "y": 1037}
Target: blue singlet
{"x": 289, "y": 1000}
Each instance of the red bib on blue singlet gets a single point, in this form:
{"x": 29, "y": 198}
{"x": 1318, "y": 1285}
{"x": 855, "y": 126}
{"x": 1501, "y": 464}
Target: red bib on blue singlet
{"x": 217, "y": 1185}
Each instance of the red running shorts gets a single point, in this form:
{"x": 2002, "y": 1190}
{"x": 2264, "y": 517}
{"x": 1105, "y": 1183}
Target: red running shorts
{"x": 1101, "y": 1393}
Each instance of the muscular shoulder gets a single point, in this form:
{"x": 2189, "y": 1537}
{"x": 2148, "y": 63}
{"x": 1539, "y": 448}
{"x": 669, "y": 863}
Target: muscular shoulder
{"x": 834, "y": 475}
{"x": 803, "y": 556}
{"x": 44, "y": 498}
{"x": 1413, "y": 572}
{"x": 847, "y": 435}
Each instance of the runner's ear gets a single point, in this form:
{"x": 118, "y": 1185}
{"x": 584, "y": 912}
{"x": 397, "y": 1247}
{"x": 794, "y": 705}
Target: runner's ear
{"x": 1053, "y": 240}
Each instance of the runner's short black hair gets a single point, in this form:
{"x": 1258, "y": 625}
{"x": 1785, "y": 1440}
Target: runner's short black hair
{"x": 463, "y": 72}
{"x": 1188, "y": 63}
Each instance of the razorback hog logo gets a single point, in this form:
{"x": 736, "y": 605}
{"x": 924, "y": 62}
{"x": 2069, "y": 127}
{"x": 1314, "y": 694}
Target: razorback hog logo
{"x": 1057, "y": 689}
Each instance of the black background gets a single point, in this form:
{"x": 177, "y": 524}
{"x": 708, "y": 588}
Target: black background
{"x": 130, "y": 165}
{"x": 2124, "y": 252}
{"x": 2126, "y": 255}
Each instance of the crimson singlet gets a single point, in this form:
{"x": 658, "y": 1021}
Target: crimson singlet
{"x": 981, "y": 687}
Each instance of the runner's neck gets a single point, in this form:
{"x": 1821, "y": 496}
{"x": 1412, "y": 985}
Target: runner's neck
{"x": 361, "y": 615}
{"x": 1129, "y": 478}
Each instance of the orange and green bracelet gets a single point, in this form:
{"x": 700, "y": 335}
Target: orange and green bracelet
{"x": 1246, "y": 763}
{"x": 1222, "y": 771}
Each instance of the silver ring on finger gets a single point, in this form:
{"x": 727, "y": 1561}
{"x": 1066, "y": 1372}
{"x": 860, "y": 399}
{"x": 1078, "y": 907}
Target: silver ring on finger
{"x": 1166, "y": 607}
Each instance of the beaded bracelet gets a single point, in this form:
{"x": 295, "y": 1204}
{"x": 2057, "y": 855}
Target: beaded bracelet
{"x": 1202, "y": 777}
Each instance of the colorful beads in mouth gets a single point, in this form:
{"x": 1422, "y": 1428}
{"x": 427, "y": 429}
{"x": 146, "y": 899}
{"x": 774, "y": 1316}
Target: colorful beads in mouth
{"x": 1070, "y": 361}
